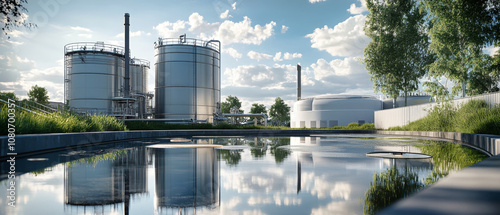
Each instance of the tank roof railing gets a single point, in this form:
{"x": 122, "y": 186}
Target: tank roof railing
{"x": 140, "y": 62}
{"x": 185, "y": 41}
{"x": 94, "y": 47}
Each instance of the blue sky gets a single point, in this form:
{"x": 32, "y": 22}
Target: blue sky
{"x": 262, "y": 41}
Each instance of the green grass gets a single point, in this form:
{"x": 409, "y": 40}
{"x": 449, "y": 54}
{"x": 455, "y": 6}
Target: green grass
{"x": 60, "y": 122}
{"x": 473, "y": 117}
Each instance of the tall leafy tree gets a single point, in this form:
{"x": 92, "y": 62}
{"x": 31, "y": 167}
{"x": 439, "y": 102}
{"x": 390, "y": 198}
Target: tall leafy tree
{"x": 11, "y": 95}
{"x": 280, "y": 110}
{"x": 38, "y": 94}
{"x": 231, "y": 101}
{"x": 11, "y": 12}
{"x": 460, "y": 30}
{"x": 396, "y": 57}
{"x": 258, "y": 108}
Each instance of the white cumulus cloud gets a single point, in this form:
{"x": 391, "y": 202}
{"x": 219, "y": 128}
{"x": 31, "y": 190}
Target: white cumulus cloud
{"x": 315, "y": 1}
{"x": 224, "y": 15}
{"x": 345, "y": 39}
{"x": 234, "y": 6}
{"x": 78, "y": 28}
{"x": 232, "y": 52}
{"x": 284, "y": 29}
{"x": 358, "y": 10}
{"x": 228, "y": 31}
{"x": 258, "y": 56}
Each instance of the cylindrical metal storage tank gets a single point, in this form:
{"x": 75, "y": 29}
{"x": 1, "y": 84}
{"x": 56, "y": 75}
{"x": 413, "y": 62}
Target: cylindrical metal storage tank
{"x": 187, "y": 78}
{"x": 139, "y": 83}
{"x": 94, "y": 74}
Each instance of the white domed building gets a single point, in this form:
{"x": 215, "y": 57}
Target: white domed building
{"x": 334, "y": 110}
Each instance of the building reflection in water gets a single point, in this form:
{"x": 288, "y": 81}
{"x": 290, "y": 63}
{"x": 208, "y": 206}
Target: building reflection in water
{"x": 100, "y": 183}
{"x": 186, "y": 179}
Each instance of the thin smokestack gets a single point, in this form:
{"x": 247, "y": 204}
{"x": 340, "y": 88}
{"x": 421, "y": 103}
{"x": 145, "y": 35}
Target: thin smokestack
{"x": 299, "y": 82}
{"x": 127, "y": 57}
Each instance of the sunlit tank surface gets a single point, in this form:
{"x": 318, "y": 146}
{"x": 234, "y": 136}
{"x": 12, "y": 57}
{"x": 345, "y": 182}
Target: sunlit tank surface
{"x": 139, "y": 82}
{"x": 94, "y": 74}
{"x": 334, "y": 110}
{"x": 187, "y": 79}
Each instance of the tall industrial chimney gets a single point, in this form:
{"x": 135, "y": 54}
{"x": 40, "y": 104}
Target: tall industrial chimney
{"x": 127, "y": 57}
{"x": 299, "y": 82}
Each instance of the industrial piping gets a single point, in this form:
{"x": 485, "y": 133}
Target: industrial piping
{"x": 299, "y": 84}
{"x": 127, "y": 57}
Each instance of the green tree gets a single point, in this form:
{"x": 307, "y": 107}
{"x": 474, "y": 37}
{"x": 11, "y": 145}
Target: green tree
{"x": 460, "y": 30}
{"x": 38, "y": 94}
{"x": 231, "y": 101}
{"x": 279, "y": 110}
{"x": 258, "y": 108}
{"x": 11, "y": 95}
{"x": 396, "y": 57}
{"x": 11, "y": 12}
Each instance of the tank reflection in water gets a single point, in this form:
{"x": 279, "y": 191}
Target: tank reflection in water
{"x": 324, "y": 174}
{"x": 105, "y": 180}
{"x": 187, "y": 180}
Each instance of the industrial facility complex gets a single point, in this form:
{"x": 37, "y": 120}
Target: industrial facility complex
{"x": 101, "y": 78}
{"x": 339, "y": 110}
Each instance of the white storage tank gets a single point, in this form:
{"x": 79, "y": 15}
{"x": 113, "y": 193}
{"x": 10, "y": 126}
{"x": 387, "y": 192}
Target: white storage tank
{"x": 139, "y": 84}
{"x": 334, "y": 110}
{"x": 94, "y": 74}
{"x": 187, "y": 84}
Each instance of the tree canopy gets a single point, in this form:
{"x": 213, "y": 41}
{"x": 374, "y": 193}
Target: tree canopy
{"x": 11, "y": 12}
{"x": 38, "y": 94}
{"x": 280, "y": 110}
{"x": 258, "y": 108}
{"x": 397, "y": 55}
{"x": 11, "y": 95}
{"x": 460, "y": 30}
{"x": 231, "y": 101}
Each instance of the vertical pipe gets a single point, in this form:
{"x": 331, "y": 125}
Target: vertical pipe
{"x": 299, "y": 82}
{"x": 127, "y": 57}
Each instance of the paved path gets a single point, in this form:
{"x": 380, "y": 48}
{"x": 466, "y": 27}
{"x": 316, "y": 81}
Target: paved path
{"x": 472, "y": 190}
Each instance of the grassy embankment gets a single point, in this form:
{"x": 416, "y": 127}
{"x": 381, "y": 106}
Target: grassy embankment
{"x": 60, "y": 122}
{"x": 473, "y": 117}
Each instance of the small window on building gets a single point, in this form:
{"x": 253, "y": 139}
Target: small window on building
{"x": 361, "y": 122}
{"x": 322, "y": 124}
{"x": 302, "y": 124}
{"x": 334, "y": 123}
{"x": 313, "y": 124}
{"x": 293, "y": 124}
{"x": 302, "y": 139}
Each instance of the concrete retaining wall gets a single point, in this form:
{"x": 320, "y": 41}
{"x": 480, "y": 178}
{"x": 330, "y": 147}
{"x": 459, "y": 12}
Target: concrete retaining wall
{"x": 385, "y": 119}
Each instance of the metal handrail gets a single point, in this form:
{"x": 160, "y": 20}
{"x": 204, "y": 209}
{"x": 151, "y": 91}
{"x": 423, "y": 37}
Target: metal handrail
{"x": 17, "y": 106}
{"x": 185, "y": 41}
{"x": 141, "y": 62}
{"x": 93, "y": 46}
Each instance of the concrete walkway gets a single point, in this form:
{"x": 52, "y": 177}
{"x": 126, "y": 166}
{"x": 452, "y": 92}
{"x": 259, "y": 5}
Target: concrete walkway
{"x": 472, "y": 190}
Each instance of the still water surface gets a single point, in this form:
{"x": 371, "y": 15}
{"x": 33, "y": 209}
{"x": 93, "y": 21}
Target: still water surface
{"x": 325, "y": 174}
